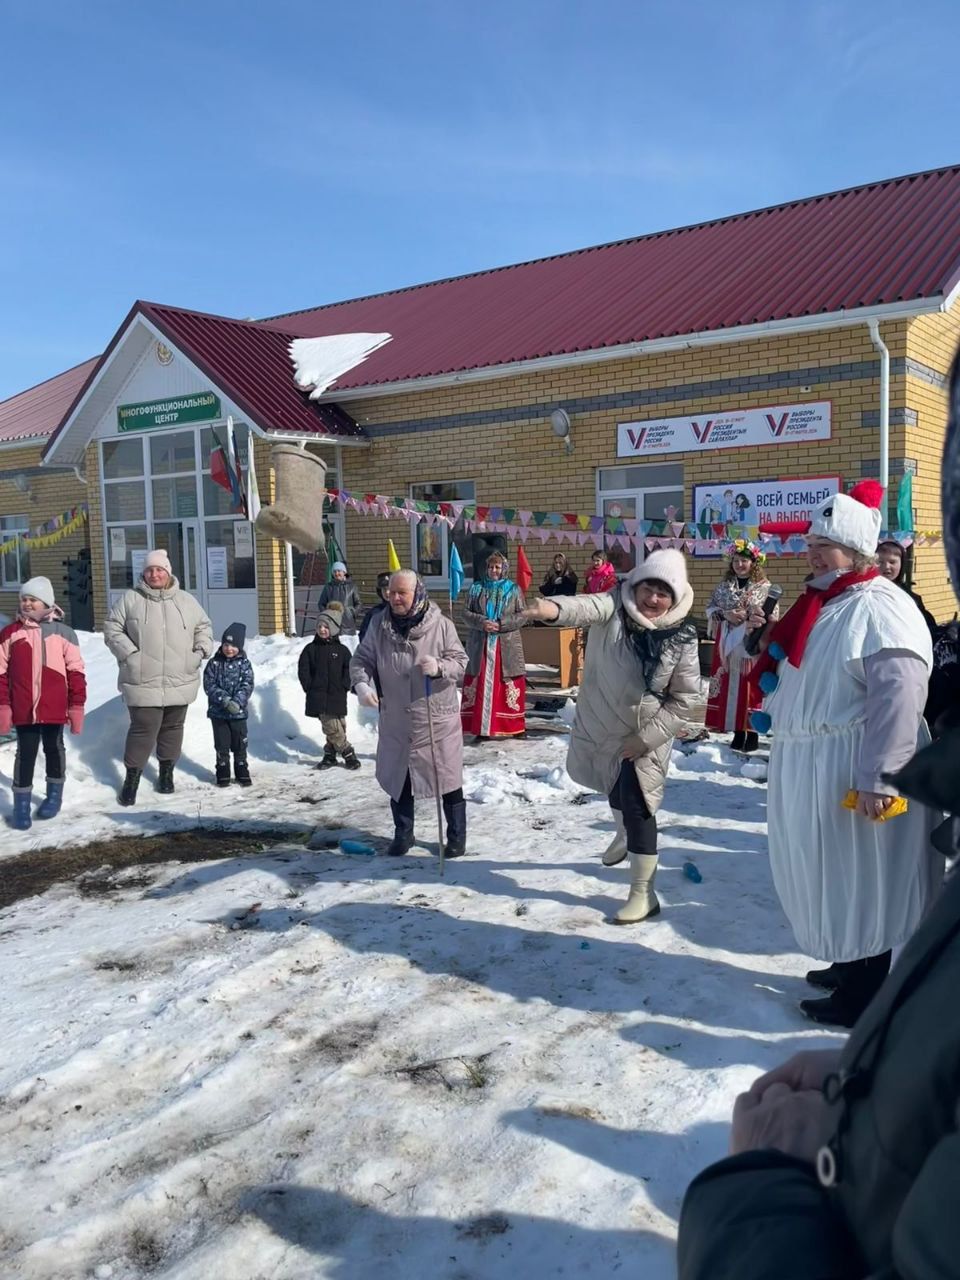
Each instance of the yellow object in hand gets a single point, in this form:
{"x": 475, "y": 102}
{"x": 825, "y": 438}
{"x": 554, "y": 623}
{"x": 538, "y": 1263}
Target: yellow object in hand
{"x": 896, "y": 806}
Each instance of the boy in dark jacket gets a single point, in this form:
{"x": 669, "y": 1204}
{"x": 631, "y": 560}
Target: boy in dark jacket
{"x": 228, "y": 684}
{"x": 324, "y": 672}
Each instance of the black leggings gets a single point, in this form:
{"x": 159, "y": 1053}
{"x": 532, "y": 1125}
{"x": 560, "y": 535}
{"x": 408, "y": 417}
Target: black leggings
{"x": 639, "y": 822}
{"x": 29, "y": 738}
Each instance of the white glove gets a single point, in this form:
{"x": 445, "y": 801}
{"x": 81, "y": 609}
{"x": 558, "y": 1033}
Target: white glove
{"x": 429, "y": 665}
{"x": 367, "y": 695}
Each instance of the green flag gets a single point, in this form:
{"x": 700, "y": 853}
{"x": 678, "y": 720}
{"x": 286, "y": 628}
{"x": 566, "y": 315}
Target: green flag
{"x": 905, "y": 504}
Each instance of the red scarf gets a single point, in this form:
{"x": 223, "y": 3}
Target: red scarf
{"x": 792, "y": 632}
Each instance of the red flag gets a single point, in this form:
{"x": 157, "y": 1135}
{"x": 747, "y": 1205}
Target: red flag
{"x": 524, "y": 572}
{"x": 219, "y": 470}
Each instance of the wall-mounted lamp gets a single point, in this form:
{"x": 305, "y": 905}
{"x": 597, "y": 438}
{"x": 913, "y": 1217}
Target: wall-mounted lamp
{"x": 21, "y": 483}
{"x": 560, "y": 424}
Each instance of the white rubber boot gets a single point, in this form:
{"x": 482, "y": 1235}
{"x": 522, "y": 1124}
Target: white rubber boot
{"x": 616, "y": 850}
{"x": 642, "y": 902}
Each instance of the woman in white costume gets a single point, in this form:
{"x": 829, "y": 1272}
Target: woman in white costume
{"x": 845, "y": 675}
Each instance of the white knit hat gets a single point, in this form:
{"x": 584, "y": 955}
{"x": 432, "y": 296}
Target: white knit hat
{"x": 666, "y": 566}
{"x": 40, "y": 589}
{"x": 158, "y": 560}
{"x": 850, "y": 519}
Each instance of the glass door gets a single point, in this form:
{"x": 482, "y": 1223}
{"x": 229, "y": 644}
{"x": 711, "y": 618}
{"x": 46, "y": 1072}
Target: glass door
{"x": 181, "y": 541}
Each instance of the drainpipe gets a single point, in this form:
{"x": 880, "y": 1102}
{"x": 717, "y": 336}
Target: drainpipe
{"x": 291, "y": 586}
{"x": 874, "y": 327}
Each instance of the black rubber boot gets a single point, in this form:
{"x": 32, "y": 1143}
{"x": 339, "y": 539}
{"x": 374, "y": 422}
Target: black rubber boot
{"x": 828, "y": 979}
{"x": 329, "y": 758}
{"x": 128, "y": 792}
{"x": 350, "y": 759}
{"x": 241, "y": 770}
{"x": 456, "y": 816}
{"x": 860, "y": 980}
{"x": 165, "y": 780}
{"x": 736, "y": 742}
{"x": 402, "y": 831}
{"x": 750, "y": 741}
{"x": 223, "y": 771}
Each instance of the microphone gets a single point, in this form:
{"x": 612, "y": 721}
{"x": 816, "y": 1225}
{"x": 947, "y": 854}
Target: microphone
{"x": 752, "y": 643}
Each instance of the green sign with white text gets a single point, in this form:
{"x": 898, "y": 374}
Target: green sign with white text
{"x": 202, "y": 407}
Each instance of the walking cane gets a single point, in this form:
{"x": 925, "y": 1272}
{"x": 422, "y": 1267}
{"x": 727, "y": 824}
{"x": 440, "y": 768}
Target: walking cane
{"x": 436, "y": 772}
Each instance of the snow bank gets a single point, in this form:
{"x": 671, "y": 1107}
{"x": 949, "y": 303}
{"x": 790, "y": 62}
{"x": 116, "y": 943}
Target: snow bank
{"x": 281, "y": 736}
{"x": 298, "y": 1063}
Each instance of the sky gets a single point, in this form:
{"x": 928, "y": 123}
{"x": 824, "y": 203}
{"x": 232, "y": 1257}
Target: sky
{"x": 250, "y": 158}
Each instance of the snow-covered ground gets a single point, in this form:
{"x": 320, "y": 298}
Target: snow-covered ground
{"x": 307, "y": 1064}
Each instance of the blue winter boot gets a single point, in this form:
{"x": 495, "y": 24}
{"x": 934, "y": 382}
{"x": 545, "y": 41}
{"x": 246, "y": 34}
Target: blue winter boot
{"x": 50, "y": 807}
{"x": 20, "y": 819}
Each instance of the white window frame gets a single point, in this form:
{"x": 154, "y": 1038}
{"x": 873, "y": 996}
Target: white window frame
{"x": 443, "y": 581}
{"x": 638, "y": 493}
{"x": 22, "y": 528}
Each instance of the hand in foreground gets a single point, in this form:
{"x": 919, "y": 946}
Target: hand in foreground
{"x": 632, "y": 749}
{"x": 232, "y": 708}
{"x": 490, "y": 626}
{"x": 735, "y": 616}
{"x": 429, "y": 665}
{"x": 75, "y": 719}
{"x": 806, "y": 1070}
{"x": 367, "y": 695}
{"x": 756, "y": 618}
{"x": 540, "y": 611}
{"x": 794, "y": 1122}
{"x": 870, "y": 804}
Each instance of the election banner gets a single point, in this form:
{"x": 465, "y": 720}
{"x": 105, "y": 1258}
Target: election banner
{"x": 778, "y": 424}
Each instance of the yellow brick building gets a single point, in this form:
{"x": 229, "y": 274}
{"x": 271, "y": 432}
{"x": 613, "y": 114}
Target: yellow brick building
{"x": 31, "y": 494}
{"x": 839, "y": 312}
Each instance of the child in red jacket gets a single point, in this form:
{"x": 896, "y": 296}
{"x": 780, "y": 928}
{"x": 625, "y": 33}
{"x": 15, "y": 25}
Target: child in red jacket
{"x": 42, "y": 688}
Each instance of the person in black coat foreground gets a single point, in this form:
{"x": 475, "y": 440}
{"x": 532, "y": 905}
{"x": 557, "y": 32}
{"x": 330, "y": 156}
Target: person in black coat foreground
{"x": 324, "y": 671}
{"x": 846, "y": 1165}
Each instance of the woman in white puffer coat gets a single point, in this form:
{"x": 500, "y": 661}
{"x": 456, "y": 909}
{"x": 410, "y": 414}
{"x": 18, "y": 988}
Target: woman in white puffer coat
{"x": 641, "y": 683}
{"x": 159, "y": 635}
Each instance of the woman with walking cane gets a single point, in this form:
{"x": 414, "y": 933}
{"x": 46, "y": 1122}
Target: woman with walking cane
{"x": 412, "y": 649}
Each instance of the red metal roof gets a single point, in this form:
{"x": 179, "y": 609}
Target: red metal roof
{"x": 34, "y": 414}
{"x": 868, "y": 246}
{"x": 885, "y": 242}
{"x": 250, "y": 362}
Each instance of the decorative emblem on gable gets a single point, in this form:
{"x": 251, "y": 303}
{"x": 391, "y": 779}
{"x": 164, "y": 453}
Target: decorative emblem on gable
{"x": 164, "y": 354}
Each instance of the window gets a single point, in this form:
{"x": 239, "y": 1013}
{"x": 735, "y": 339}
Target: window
{"x": 431, "y": 542}
{"x": 15, "y": 563}
{"x": 223, "y": 526}
{"x": 637, "y": 493}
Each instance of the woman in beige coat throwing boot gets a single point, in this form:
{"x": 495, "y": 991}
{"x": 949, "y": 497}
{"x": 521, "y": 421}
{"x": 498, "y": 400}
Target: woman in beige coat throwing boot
{"x": 641, "y": 682}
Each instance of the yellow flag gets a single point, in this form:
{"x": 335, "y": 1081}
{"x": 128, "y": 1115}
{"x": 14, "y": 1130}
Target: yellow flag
{"x": 393, "y": 560}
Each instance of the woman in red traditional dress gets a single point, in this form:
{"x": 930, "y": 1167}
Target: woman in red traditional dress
{"x": 744, "y": 587}
{"x": 495, "y": 687}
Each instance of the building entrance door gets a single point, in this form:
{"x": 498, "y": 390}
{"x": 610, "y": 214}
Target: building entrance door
{"x": 181, "y": 541}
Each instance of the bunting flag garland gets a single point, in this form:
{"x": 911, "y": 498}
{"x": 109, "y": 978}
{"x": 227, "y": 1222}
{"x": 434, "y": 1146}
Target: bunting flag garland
{"x": 47, "y": 535}
{"x": 599, "y": 531}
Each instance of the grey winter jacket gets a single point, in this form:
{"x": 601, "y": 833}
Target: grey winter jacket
{"x": 404, "y": 741}
{"x": 160, "y": 639}
{"x": 344, "y": 593}
{"x": 615, "y": 705}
